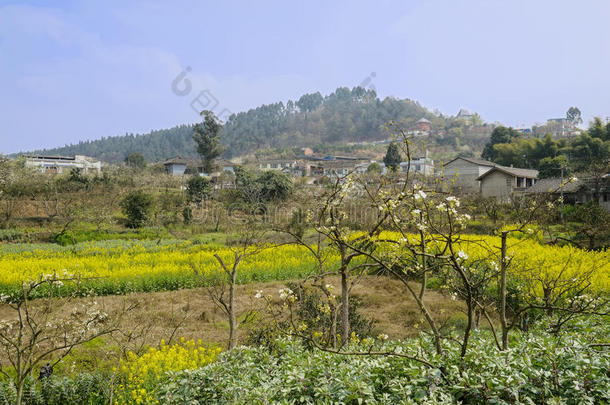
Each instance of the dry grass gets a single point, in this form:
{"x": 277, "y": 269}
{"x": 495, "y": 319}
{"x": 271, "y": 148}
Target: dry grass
{"x": 192, "y": 314}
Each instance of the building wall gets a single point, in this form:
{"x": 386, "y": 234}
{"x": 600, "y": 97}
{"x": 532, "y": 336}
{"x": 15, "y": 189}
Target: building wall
{"x": 276, "y": 165}
{"x": 63, "y": 166}
{"x": 498, "y": 185}
{"x": 461, "y": 176}
{"x": 421, "y": 166}
{"x": 422, "y": 126}
{"x": 88, "y": 164}
{"x": 175, "y": 170}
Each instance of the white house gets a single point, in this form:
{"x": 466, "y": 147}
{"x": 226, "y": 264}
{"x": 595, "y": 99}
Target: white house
{"x": 277, "y": 164}
{"x": 61, "y": 164}
{"x": 422, "y": 165}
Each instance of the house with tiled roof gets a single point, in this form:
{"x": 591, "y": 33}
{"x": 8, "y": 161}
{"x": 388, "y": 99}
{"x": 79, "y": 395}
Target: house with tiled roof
{"x": 464, "y": 114}
{"x": 504, "y": 182}
{"x": 175, "y": 166}
{"x": 460, "y": 175}
{"x": 575, "y": 191}
{"x": 423, "y": 125}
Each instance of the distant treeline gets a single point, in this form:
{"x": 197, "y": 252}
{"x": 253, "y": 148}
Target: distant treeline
{"x": 343, "y": 116}
{"x": 588, "y": 152}
{"x": 155, "y": 146}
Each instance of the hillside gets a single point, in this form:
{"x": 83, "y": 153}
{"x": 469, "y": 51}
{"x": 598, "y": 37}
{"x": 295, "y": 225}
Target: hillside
{"x": 344, "y": 116}
{"x": 155, "y": 145}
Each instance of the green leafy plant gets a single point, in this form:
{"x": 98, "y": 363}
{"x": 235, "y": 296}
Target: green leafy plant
{"x": 137, "y": 207}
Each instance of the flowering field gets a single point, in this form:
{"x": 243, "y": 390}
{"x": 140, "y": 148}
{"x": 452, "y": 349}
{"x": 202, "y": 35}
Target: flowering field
{"x": 118, "y": 267}
{"x": 140, "y": 376}
{"x": 530, "y": 259}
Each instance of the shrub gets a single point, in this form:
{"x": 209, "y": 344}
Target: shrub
{"x": 13, "y": 235}
{"x": 84, "y": 389}
{"x": 275, "y": 186}
{"x": 198, "y": 189}
{"x": 137, "y": 207}
{"x": 187, "y": 215}
{"x": 540, "y": 368}
{"x": 311, "y": 310}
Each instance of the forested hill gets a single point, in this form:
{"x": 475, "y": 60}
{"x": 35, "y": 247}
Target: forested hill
{"x": 155, "y": 146}
{"x": 343, "y": 116}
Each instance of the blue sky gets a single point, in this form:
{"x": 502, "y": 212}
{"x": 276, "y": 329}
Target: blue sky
{"x": 75, "y": 70}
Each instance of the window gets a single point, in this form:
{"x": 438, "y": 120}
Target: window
{"x": 520, "y": 182}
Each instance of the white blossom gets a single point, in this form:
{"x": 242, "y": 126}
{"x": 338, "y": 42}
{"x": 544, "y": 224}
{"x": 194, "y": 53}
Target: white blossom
{"x": 453, "y": 200}
{"x": 285, "y": 293}
{"x": 420, "y": 195}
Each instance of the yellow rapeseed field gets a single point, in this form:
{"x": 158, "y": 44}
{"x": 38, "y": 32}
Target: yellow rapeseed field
{"x": 121, "y": 267}
{"x": 136, "y": 266}
{"x": 140, "y": 375}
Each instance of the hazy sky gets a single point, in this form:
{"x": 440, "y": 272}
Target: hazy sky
{"x": 75, "y": 70}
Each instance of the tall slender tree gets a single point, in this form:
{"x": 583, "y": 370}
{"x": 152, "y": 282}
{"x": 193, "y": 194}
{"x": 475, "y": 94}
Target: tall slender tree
{"x": 207, "y": 137}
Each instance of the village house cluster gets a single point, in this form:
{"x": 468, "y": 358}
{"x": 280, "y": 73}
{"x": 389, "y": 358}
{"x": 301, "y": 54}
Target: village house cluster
{"x": 459, "y": 176}
{"x": 464, "y": 175}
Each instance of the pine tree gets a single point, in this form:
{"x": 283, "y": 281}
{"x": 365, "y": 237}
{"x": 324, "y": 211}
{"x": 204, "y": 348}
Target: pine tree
{"x": 392, "y": 157}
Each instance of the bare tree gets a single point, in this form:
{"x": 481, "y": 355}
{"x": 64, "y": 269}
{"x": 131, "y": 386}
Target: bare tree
{"x": 319, "y": 248}
{"x": 46, "y": 329}
{"x": 223, "y": 293}
{"x": 428, "y": 237}
{"x": 15, "y": 186}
